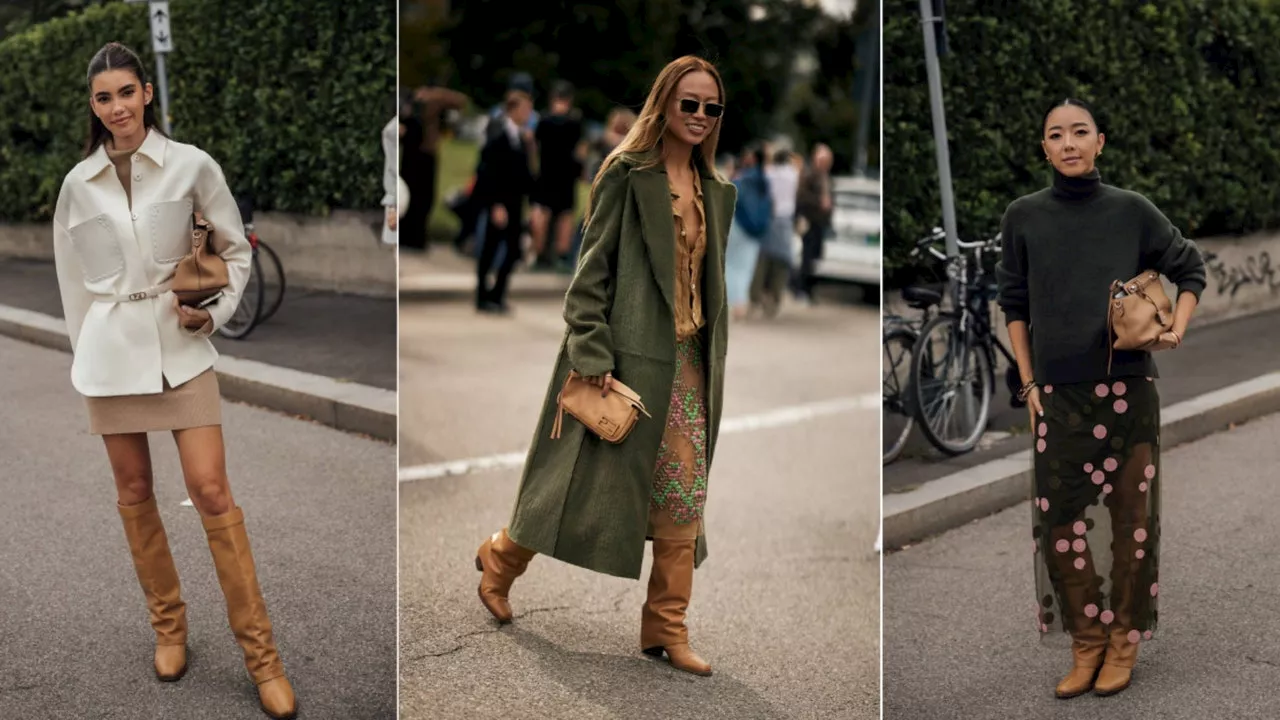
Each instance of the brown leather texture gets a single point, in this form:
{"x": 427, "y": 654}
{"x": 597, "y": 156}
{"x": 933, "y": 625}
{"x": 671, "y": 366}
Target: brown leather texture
{"x": 202, "y": 272}
{"x": 247, "y": 610}
{"x": 611, "y": 417}
{"x": 1142, "y": 315}
{"x": 662, "y": 618}
{"x": 501, "y": 561}
{"x": 158, "y": 576}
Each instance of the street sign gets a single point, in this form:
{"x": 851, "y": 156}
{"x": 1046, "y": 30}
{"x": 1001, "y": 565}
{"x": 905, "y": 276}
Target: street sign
{"x": 161, "y": 37}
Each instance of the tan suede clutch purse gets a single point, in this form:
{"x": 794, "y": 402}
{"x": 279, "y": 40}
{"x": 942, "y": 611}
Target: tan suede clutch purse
{"x": 202, "y": 273}
{"x": 611, "y": 417}
{"x": 1139, "y": 313}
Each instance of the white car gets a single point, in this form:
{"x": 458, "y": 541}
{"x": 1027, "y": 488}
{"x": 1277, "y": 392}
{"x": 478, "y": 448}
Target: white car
{"x": 851, "y": 250}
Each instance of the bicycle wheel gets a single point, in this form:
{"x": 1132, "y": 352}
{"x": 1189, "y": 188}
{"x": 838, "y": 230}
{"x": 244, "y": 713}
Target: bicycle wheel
{"x": 897, "y": 418}
{"x": 951, "y": 383}
{"x": 247, "y": 313}
{"x": 273, "y": 279}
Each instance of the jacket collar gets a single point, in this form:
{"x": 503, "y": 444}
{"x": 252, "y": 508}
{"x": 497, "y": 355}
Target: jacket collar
{"x": 153, "y": 148}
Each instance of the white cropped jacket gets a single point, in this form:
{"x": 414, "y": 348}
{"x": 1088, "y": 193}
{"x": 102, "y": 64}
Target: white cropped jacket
{"x": 106, "y": 253}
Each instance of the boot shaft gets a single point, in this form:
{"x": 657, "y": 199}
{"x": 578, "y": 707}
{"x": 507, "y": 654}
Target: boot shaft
{"x": 157, "y": 574}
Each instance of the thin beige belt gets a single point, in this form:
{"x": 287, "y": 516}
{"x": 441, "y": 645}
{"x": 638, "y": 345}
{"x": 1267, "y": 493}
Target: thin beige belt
{"x": 153, "y": 291}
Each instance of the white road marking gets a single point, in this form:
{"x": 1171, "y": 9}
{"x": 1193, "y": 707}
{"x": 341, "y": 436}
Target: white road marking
{"x": 187, "y": 503}
{"x": 758, "y": 421}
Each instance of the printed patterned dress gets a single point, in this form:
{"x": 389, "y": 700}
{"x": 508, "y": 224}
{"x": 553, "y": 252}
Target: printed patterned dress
{"x": 680, "y": 478}
{"x": 1096, "y": 513}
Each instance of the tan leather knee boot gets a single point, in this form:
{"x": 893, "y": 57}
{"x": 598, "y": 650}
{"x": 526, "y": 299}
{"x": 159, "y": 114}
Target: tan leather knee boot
{"x": 247, "y": 612}
{"x": 501, "y": 561}
{"x": 158, "y": 577}
{"x": 662, "y": 625}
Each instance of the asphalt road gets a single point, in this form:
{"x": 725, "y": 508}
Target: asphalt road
{"x": 320, "y": 509}
{"x": 958, "y": 608}
{"x": 786, "y": 606}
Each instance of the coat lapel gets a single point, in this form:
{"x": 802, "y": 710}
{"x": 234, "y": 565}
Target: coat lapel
{"x": 653, "y": 196}
{"x": 714, "y": 198}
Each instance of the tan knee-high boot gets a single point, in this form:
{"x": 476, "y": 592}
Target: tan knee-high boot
{"x": 247, "y": 612}
{"x": 1122, "y": 650}
{"x": 1088, "y": 637}
{"x": 158, "y": 577}
{"x": 662, "y": 625}
{"x": 501, "y": 561}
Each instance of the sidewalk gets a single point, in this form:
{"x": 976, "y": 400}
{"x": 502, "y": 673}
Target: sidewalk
{"x": 318, "y": 347}
{"x": 1204, "y": 377}
{"x": 443, "y": 274}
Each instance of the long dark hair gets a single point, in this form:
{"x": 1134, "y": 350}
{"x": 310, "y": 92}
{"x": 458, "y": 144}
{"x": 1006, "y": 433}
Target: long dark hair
{"x": 115, "y": 56}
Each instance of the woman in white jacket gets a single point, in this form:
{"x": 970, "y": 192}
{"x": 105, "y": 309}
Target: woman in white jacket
{"x": 144, "y": 363}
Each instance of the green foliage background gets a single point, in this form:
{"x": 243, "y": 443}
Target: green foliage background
{"x": 1186, "y": 91}
{"x": 290, "y": 97}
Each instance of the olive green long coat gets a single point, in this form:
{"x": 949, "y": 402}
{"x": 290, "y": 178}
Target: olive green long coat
{"x": 581, "y": 499}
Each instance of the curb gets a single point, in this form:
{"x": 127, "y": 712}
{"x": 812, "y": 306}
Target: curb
{"x": 976, "y": 492}
{"x": 350, "y": 407}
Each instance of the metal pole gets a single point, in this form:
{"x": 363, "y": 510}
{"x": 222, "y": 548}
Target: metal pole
{"x": 163, "y": 81}
{"x": 939, "y": 125}
{"x": 871, "y": 71}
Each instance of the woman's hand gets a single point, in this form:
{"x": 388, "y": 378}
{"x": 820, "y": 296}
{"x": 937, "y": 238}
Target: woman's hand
{"x": 1034, "y": 408}
{"x": 191, "y": 318}
{"x": 604, "y": 382}
{"x": 1167, "y": 340}
{"x": 392, "y": 217}
{"x": 499, "y": 216}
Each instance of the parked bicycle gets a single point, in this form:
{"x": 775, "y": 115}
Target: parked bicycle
{"x": 898, "y": 338}
{"x": 264, "y": 291}
{"x": 953, "y": 362}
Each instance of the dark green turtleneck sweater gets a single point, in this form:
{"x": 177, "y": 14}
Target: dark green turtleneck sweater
{"x": 1062, "y": 248}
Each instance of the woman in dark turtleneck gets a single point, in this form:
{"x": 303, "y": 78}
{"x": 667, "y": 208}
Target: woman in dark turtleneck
{"x": 1096, "y": 513}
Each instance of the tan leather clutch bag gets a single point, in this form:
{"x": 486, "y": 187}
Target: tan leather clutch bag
{"x": 1139, "y": 313}
{"x": 611, "y": 417}
{"x": 202, "y": 273}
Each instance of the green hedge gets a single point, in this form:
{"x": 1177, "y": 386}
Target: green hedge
{"x": 1187, "y": 93}
{"x": 290, "y": 97}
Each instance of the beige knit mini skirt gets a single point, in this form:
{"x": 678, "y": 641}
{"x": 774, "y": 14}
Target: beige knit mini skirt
{"x": 195, "y": 403}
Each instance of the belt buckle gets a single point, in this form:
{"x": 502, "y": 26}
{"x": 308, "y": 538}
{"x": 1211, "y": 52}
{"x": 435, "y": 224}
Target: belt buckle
{"x": 138, "y": 296}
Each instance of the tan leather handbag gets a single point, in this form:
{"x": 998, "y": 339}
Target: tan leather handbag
{"x": 611, "y": 417}
{"x": 1138, "y": 314}
{"x": 202, "y": 273}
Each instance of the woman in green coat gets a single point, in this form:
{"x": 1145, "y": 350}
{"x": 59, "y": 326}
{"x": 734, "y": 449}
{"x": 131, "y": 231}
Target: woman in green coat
{"x": 647, "y": 305}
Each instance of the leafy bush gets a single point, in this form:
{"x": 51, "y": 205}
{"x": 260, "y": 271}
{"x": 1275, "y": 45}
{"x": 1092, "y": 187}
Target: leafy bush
{"x": 290, "y": 97}
{"x": 1186, "y": 91}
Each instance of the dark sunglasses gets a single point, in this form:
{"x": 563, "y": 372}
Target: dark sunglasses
{"x": 712, "y": 110}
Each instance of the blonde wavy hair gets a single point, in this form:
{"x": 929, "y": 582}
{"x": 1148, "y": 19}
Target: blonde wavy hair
{"x": 650, "y": 127}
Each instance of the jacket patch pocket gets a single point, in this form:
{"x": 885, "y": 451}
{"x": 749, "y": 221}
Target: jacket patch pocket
{"x": 98, "y": 248}
{"x": 169, "y": 224}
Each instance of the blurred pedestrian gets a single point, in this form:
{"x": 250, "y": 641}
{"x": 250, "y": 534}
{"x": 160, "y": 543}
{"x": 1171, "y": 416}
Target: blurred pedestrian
{"x": 144, "y": 362}
{"x": 647, "y": 305}
{"x": 813, "y": 206}
{"x": 501, "y": 188}
{"x": 1095, "y": 413}
{"x": 557, "y": 138}
{"x": 773, "y": 269}
{"x": 423, "y": 120}
{"x": 752, "y": 218}
{"x": 390, "y": 180}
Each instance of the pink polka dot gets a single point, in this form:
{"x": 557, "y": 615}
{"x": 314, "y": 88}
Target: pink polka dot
{"x": 1091, "y": 610}
{"x": 1142, "y": 487}
{"x": 1044, "y": 504}
{"x": 1063, "y": 545}
{"x": 1079, "y": 528}
{"x": 1107, "y": 616}
{"x": 1150, "y": 472}
{"x": 1101, "y": 390}
{"x": 1079, "y": 563}
{"x": 1155, "y": 589}
{"x": 1079, "y": 545}
{"x": 1043, "y": 429}
{"x": 1088, "y": 467}
{"x": 1099, "y": 431}
{"x": 1048, "y": 389}
{"x": 1140, "y": 535}
{"x": 1140, "y": 554}
{"x": 1040, "y": 445}
{"x": 1044, "y": 628}
{"x": 1121, "y": 406}
{"x": 1110, "y": 465}
{"x": 1134, "y": 636}
{"x": 1119, "y": 388}
{"x": 1146, "y": 635}
{"x": 1098, "y": 477}
{"x": 1106, "y": 489}
{"x": 1150, "y": 379}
